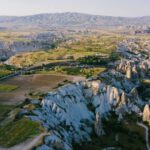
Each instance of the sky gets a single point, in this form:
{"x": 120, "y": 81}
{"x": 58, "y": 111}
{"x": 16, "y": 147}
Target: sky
{"x": 127, "y": 8}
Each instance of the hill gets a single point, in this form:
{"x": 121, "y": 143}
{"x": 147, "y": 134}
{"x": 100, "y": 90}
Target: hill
{"x": 69, "y": 20}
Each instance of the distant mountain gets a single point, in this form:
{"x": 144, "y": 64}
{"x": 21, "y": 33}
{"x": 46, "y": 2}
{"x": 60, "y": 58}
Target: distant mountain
{"x": 69, "y": 20}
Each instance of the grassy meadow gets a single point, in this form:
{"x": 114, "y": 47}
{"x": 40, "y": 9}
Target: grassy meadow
{"x": 70, "y": 50}
{"x": 85, "y": 72}
{"x": 7, "y": 87}
{"x": 6, "y": 70}
{"x": 18, "y": 131}
{"x": 4, "y": 110}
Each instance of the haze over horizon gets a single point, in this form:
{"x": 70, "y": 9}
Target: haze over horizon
{"x": 124, "y": 8}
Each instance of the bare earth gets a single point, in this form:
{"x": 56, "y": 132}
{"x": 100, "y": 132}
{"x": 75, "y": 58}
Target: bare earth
{"x": 28, "y": 83}
{"x": 146, "y": 134}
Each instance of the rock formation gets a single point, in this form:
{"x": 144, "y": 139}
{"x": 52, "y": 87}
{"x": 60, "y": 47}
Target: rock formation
{"x": 123, "y": 98}
{"x": 146, "y": 113}
{"x": 128, "y": 72}
{"x": 98, "y": 126}
{"x": 66, "y": 112}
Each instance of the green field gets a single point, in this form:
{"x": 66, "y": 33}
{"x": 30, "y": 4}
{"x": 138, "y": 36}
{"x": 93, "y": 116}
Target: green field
{"x": 86, "y": 72}
{"x": 6, "y": 70}
{"x": 18, "y": 131}
{"x": 87, "y": 46}
{"x": 4, "y": 73}
{"x": 7, "y": 87}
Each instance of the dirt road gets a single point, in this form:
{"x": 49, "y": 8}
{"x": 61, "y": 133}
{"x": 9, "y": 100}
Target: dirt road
{"x": 146, "y": 134}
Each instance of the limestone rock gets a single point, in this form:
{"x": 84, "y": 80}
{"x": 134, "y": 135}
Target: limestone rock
{"x": 128, "y": 72}
{"x": 134, "y": 71}
{"x": 98, "y": 126}
{"x": 123, "y": 98}
{"x": 146, "y": 113}
{"x": 122, "y": 108}
{"x": 95, "y": 87}
{"x": 114, "y": 96}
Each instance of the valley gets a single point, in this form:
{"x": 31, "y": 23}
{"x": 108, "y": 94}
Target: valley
{"x": 72, "y": 88}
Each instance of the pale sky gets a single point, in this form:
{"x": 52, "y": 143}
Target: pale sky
{"x": 100, "y": 7}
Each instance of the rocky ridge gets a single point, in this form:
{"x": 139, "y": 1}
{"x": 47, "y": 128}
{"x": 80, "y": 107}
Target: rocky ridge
{"x": 68, "y": 19}
{"x": 33, "y": 42}
{"x": 67, "y": 115}
{"x": 8, "y": 49}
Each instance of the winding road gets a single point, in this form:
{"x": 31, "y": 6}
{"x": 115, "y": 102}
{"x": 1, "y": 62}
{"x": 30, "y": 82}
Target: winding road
{"x": 146, "y": 134}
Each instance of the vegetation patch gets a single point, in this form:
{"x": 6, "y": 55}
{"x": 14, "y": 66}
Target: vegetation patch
{"x": 4, "y": 73}
{"x": 124, "y": 135}
{"x": 36, "y": 94}
{"x": 87, "y": 72}
{"x": 144, "y": 89}
{"x": 6, "y": 70}
{"x": 4, "y": 110}
{"x": 72, "y": 50}
{"x": 18, "y": 131}
{"x": 7, "y": 87}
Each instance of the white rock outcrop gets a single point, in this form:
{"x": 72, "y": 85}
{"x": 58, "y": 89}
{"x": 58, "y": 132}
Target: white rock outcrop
{"x": 67, "y": 114}
{"x": 129, "y": 72}
{"x": 98, "y": 126}
{"x": 146, "y": 113}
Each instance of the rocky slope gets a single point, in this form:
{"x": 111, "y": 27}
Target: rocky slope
{"x": 67, "y": 114}
{"x": 32, "y": 42}
{"x": 8, "y": 49}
